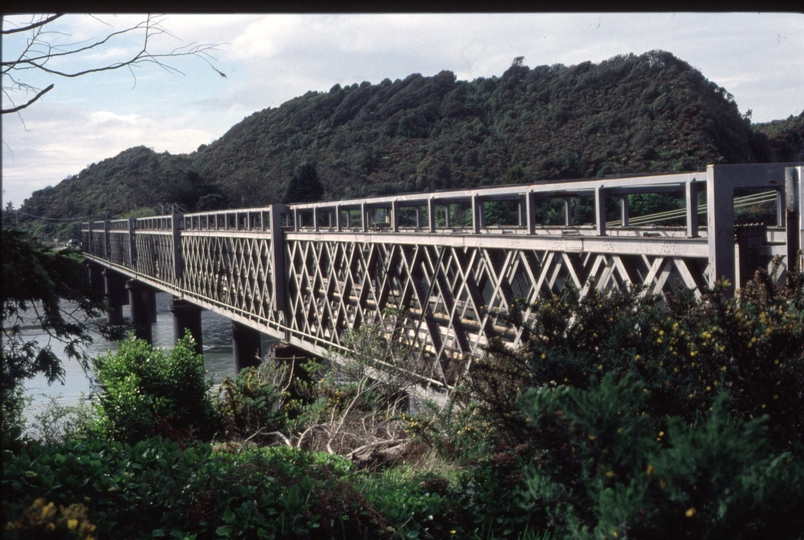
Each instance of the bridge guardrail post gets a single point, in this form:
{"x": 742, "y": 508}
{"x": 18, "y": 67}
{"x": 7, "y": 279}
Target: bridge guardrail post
{"x": 132, "y": 245}
{"x": 600, "y": 211}
{"x": 720, "y": 224}
{"x": 278, "y": 284}
{"x": 567, "y": 212}
{"x": 477, "y": 214}
{"x": 530, "y": 212}
{"x": 691, "y": 193}
{"x": 107, "y": 248}
{"x": 794, "y": 204}
{"x": 90, "y": 242}
{"x": 177, "y": 260}
{"x": 625, "y": 211}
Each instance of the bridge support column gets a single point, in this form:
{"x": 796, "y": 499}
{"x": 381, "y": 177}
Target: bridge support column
{"x": 246, "y": 346}
{"x": 115, "y": 289}
{"x": 187, "y": 316}
{"x": 143, "y": 303}
{"x": 96, "y": 280}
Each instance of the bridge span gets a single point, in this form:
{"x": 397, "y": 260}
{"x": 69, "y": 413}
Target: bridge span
{"x": 447, "y": 262}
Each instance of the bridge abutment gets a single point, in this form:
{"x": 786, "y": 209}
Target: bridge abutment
{"x": 143, "y": 307}
{"x": 187, "y": 316}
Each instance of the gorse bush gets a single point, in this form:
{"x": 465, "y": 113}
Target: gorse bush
{"x": 253, "y": 401}
{"x": 684, "y": 351}
{"x": 145, "y": 390}
{"x": 646, "y": 417}
{"x": 607, "y": 469}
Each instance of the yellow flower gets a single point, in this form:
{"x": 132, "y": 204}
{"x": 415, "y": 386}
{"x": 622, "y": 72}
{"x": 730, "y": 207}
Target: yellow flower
{"x": 72, "y": 524}
{"x": 690, "y": 512}
{"x": 649, "y": 470}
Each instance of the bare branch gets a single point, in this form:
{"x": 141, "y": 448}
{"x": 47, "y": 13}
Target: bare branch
{"x": 20, "y": 107}
{"x": 33, "y": 26}
{"x": 39, "y": 53}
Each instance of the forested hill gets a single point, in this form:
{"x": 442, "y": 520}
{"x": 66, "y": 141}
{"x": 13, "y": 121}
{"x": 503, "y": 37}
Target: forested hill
{"x": 629, "y": 114}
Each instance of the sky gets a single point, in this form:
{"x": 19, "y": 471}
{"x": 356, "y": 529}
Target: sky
{"x": 268, "y": 59}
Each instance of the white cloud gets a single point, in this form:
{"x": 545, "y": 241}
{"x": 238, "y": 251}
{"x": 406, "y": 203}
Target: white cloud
{"x": 269, "y": 59}
{"x": 60, "y": 141}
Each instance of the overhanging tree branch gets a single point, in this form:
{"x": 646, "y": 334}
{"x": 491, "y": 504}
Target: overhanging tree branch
{"x": 30, "y": 102}
{"x": 40, "y": 54}
{"x": 32, "y": 26}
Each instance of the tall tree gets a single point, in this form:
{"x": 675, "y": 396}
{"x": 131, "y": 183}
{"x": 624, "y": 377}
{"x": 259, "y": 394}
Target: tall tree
{"x": 304, "y": 186}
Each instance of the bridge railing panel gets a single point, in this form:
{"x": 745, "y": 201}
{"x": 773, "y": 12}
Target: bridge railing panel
{"x": 235, "y": 272}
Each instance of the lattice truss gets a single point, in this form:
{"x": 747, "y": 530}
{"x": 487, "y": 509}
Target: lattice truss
{"x": 155, "y": 255}
{"x": 236, "y": 272}
{"x": 450, "y": 298}
{"x": 98, "y": 243}
{"x": 120, "y": 248}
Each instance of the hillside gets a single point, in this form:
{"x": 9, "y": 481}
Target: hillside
{"x": 629, "y": 114}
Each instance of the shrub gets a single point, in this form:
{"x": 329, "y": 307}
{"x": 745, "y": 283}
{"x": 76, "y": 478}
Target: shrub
{"x": 608, "y": 469}
{"x": 683, "y": 350}
{"x": 146, "y": 391}
{"x": 254, "y": 401}
{"x": 56, "y": 423}
{"x": 44, "y": 520}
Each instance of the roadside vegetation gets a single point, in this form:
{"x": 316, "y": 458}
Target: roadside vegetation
{"x": 621, "y": 415}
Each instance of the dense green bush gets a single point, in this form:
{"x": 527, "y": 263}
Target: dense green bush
{"x": 683, "y": 350}
{"x": 647, "y": 417}
{"x": 253, "y": 401}
{"x": 607, "y": 469}
{"x": 158, "y": 488}
{"x": 145, "y": 390}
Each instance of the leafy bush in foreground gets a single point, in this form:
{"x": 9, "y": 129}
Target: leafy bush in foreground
{"x": 145, "y": 391}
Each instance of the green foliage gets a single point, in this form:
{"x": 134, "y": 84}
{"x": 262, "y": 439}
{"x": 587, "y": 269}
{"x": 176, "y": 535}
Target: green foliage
{"x": 304, "y": 186}
{"x": 608, "y": 469}
{"x": 254, "y": 401}
{"x": 145, "y": 390}
{"x": 683, "y": 352}
{"x": 158, "y": 488}
{"x": 56, "y": 423}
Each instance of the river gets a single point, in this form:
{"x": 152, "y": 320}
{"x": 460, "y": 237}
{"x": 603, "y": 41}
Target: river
{"x": 217, "y": 332}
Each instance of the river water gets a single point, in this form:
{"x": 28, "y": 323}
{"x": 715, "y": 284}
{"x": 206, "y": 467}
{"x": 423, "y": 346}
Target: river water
{"x": 217, "y": 341}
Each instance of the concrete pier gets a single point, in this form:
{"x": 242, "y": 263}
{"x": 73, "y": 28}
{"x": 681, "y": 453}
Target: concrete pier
{"x": 187, "y": 316}
{"x": 246, "y": 346}
{"x": 116, "y": 295}
{"x": 143, "y": 305}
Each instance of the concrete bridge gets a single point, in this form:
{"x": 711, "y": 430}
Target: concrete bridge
{"x": 438, "y": 265}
